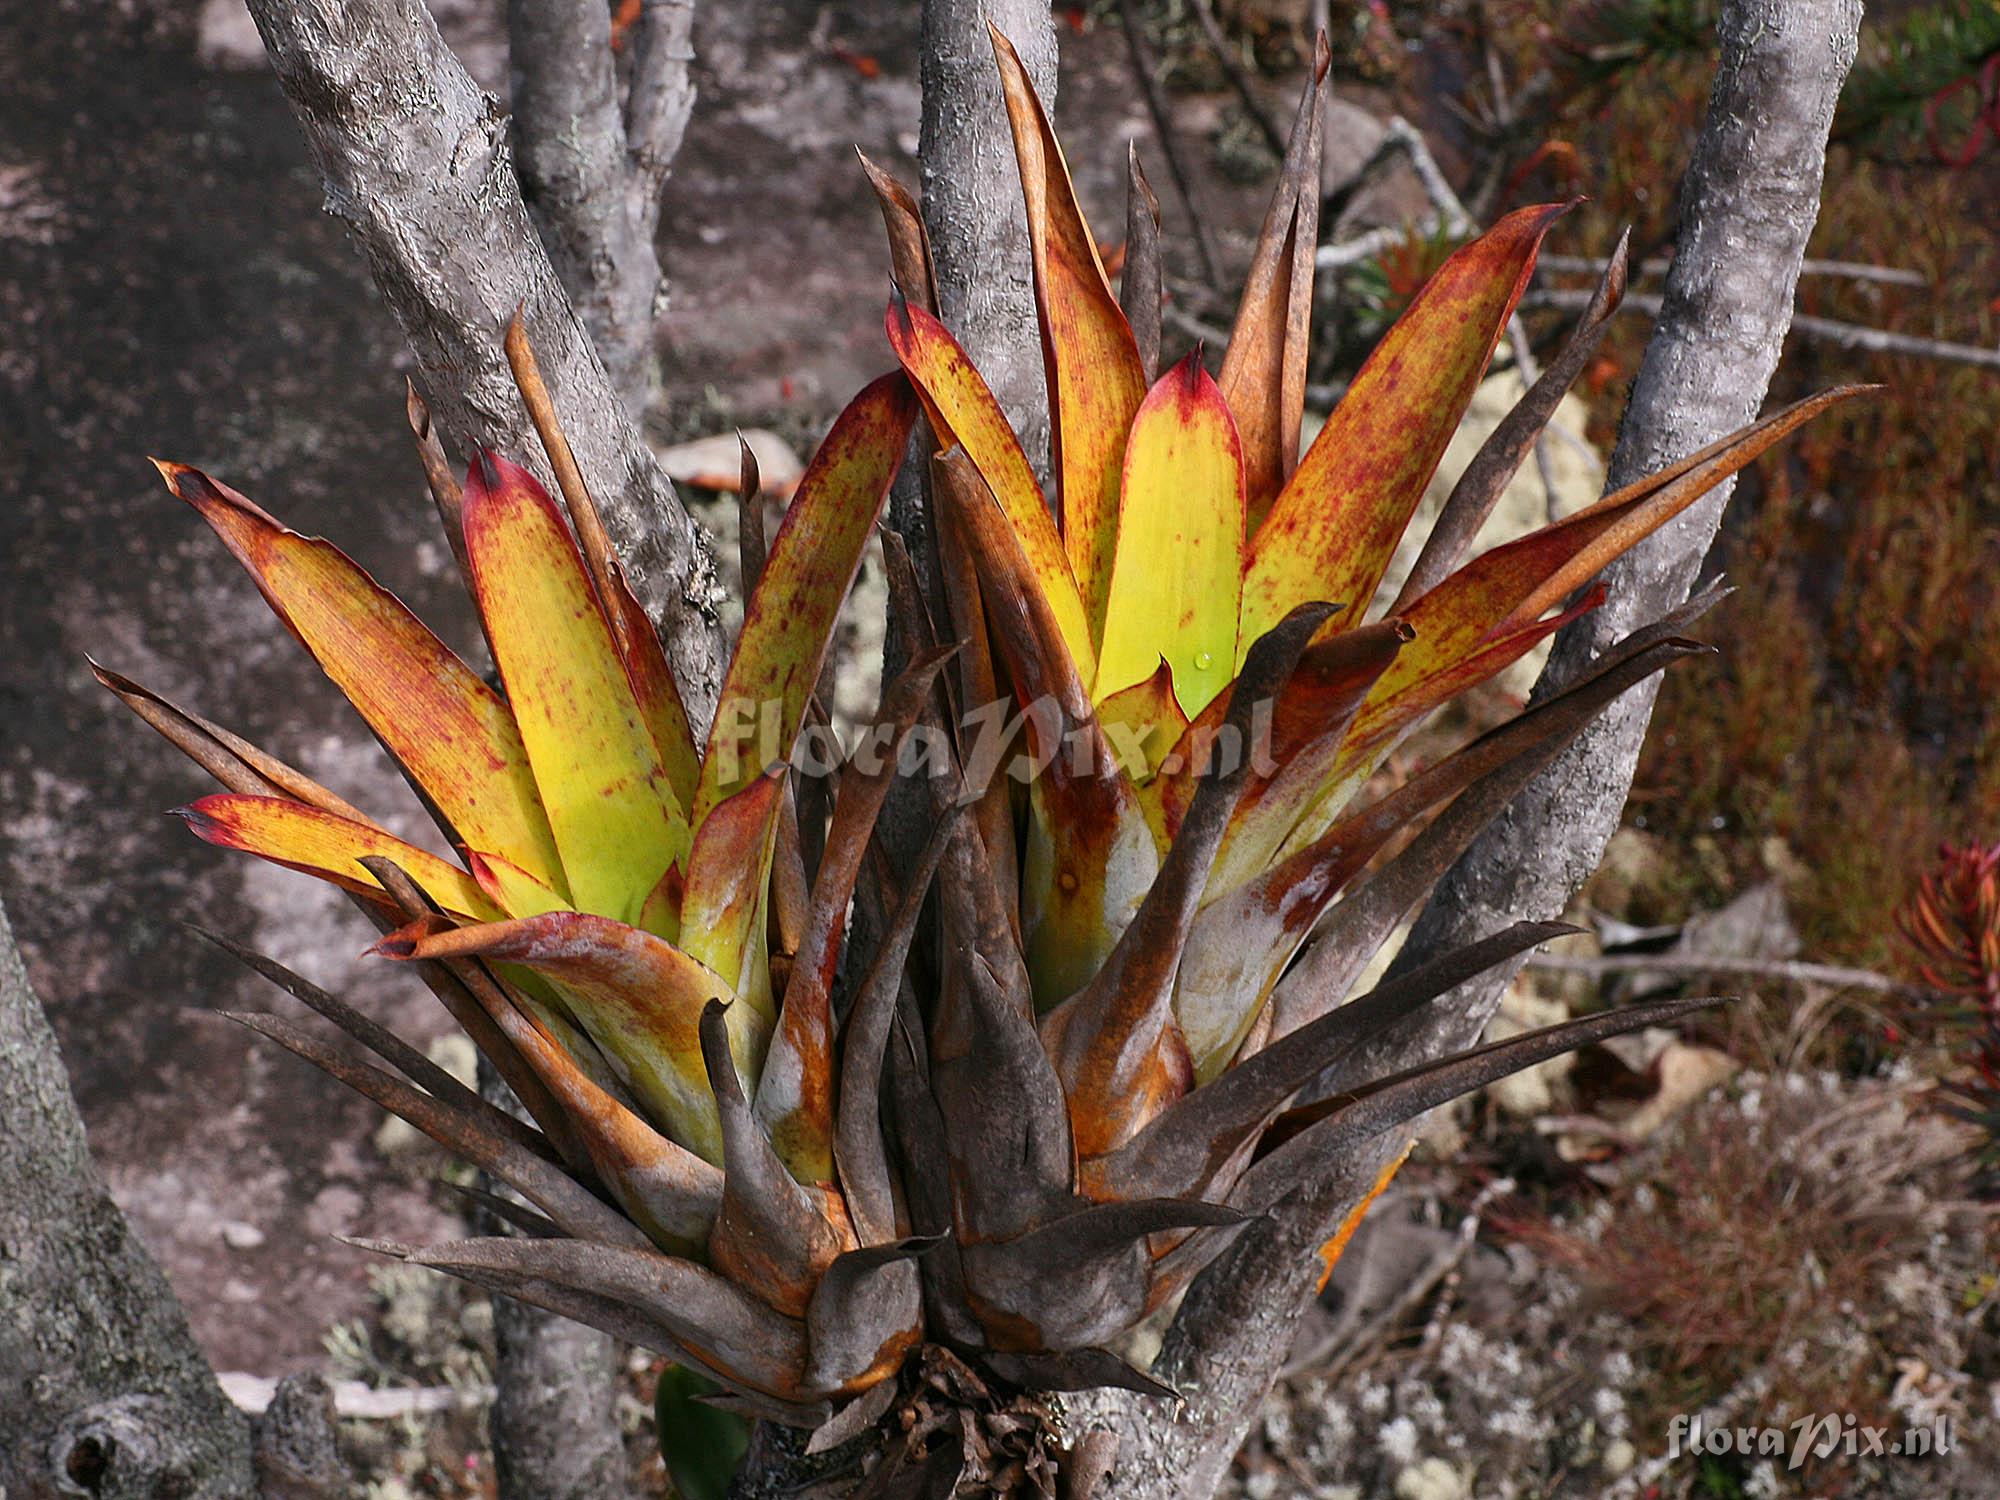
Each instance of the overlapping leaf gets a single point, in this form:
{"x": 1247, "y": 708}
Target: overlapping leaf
{"x": 448, "y": 729}
{"x": 1179, "y": 568}
{"x": 1096, "y": 381}
{"x": 613, "y": 811}
{"x": 1334, "y": 526}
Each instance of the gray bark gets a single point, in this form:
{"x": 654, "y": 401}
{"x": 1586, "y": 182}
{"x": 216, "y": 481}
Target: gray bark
{"x": 1748, "y": 205}
{"x": 554, "y": 1422}
{"x": 591, "y": 172}
{"x": 972, "y": 197}
{"x": 103, "y": 1390}
{"x": 295, "y": 1444}
{"x": 415, "y": 160}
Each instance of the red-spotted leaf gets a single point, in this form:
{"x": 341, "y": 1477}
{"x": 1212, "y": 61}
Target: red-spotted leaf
{"x": 1489, "y": 613}
{"x": 323, "y": 844}
{"x": 612, "y": 808}
{"x": 449, "y": 729}
{"x": 1334, "y": 526}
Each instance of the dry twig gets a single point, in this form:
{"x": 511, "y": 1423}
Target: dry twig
{"x": 1820, "y": 330}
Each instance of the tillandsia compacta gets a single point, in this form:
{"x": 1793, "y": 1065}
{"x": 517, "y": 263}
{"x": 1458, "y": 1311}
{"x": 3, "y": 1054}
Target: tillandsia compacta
{"x": 795, "y": 1108}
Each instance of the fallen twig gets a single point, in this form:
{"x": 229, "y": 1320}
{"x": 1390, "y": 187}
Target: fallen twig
{"x": 1145, "y": 69}
{"x": 1821, "y": 330}
{"x": 1790, "y": 970}
{"x": 354, "y": 1401}
{"x": 1849, "y": 270}
{"x": 1232, "y": 69}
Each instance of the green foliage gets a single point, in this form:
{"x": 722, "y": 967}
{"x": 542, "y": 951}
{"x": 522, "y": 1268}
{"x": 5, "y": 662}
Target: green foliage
{"x": 700, "y": 1444}
{"x": 1906, "y": 62}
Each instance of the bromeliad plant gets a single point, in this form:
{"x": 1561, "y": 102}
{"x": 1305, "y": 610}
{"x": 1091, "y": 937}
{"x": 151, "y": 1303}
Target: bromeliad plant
{"x": 1062, "y": 1051}
{"x": 1951, "y": 922}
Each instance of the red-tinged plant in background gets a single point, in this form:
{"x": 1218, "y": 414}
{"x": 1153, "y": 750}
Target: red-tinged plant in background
{"x": 1014, "y": 1120}
{"x": 1952, "y": 924}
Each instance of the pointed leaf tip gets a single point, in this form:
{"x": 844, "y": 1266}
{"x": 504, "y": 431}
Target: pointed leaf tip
{"x": 1334, "y": 525}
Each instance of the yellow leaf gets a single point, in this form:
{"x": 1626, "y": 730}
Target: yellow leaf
{"x": 1179, "y": 570}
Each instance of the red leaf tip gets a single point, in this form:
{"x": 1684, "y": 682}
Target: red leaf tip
{"x": 899, "y": 308}
{"x": 1192, "y": 371}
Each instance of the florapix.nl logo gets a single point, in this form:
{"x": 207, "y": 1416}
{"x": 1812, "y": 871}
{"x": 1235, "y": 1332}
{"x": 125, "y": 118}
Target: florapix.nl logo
{"x": 1823, "y": 1435}
{"x": 1019, "y": 741}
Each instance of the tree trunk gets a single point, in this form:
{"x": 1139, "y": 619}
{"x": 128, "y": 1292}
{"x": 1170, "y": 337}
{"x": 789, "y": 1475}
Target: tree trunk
{"x": 1747, "y": 208}
{"x": 554, "y": 1422}
{"x": 1748, "y": 204}
{"x": 972, "y": 197}
{"x": 592, "y": 173}
{"x": 103, "y": 1390}
{"x": 415, "y": 161}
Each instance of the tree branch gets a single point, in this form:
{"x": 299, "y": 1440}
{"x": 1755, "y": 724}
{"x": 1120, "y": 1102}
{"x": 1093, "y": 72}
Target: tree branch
{"x": 415, "y": 161}
{"x": 1748, "y": 205}
{"x": 659, "y": 100}
{"x": 579, "y": 182}
{"x": 102, "y": 1388}
{"x": 972, "y": 197}
{"x": 1819, "y": 330}
{"x": 1749, "y": 202}
{"x": 554, "y": 1422}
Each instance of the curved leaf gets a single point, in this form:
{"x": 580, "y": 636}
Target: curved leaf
{"x": 449, "y": 730}
{"x": 613, "y": 810}
{"x": 1264, "y": 370}
{"x": 1334, "y": 526}
{"x": 638, "y": 997}
{"x": 727, "y": 899}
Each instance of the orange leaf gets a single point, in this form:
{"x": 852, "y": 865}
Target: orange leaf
{"x": 448, "y": 728}
{"x": 658, "y": 694}
{"x": 1264, "y": 370}
{"x": 725, "y": 904}
{"x": 323, "y": 844}
{"x": 1090, "y": 854}
{"x": 1096, "y": 381}
{"x": 1488, "y": 613}
{"x": 964, "y": 414}
{"x": 639, "y": 998}
{"x": 1333, "y": 1249}
{"x": 1335, "y": 524}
